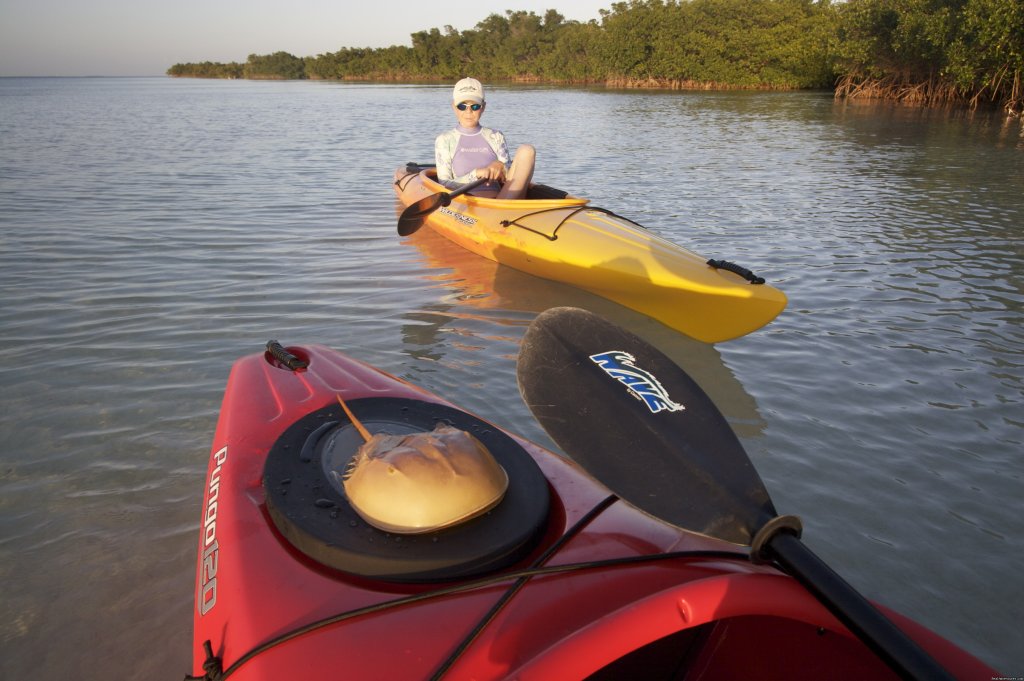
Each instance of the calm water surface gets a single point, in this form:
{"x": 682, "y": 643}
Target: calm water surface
{"x": 153, "y": 230}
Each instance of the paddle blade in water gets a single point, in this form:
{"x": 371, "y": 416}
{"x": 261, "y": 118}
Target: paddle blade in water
{"x": 412, "y": 217}
{"x": 639, "y": 424}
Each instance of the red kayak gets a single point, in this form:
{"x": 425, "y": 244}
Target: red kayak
{"x": 561, "y": 580}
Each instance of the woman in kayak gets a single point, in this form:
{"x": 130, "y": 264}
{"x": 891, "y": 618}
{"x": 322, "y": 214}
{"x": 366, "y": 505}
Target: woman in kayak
{"x": 471, "y": 152}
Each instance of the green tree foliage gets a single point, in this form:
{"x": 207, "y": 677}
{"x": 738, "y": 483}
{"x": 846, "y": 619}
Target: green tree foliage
{"x": 933, "y": 51}
{"x": 277, "y": 66}
{"x": 739, "y": 43}
{"x": 575, "y": 56}
{"x": 924, "y": 51}
{"x": 721, "y": 43}
{"x": 987, "y": 58}
{"x": 206, "y": 69}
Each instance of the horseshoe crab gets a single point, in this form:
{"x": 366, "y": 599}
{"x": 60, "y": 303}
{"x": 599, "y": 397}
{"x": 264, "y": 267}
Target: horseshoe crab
{"x": 422, "y": 482}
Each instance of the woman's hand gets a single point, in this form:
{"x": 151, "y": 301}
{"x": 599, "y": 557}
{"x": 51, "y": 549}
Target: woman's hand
{"x": 494, "y": 172}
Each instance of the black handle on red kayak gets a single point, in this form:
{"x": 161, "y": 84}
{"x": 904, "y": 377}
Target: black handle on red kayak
{"x": 286, "y": 358}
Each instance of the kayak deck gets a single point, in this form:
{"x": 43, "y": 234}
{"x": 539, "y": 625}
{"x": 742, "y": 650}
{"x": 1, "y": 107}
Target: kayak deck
{"x": 602, "y": 592}
{"x": 564, "y": 238}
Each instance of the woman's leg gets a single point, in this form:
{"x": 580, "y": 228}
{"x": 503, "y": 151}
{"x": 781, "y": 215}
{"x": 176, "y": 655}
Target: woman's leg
{"x": 519, "y": 175}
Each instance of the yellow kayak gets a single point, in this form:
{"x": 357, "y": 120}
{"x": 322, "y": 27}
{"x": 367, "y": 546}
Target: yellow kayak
{"x": 560, "y": 237}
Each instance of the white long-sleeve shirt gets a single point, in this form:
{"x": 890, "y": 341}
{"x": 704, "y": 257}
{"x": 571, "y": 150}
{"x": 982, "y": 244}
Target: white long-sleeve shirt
{"x": 458, "y": 152}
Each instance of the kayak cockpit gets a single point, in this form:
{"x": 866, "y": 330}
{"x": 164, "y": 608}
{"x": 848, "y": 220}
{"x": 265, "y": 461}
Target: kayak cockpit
{"x": 537, "y": 193}
{"x": 311, "y": 510}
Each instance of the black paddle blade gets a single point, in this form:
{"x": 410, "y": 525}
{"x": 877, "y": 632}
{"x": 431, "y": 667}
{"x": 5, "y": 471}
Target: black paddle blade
{"x": 640, "y": 425}
{"x": 413, "y": 216}
{"x": 636, "y": 422}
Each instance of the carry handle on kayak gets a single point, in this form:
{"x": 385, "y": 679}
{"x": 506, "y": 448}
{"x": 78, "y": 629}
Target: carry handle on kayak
{"x": 736, "y": 269}
{"x": 286, "y": 358}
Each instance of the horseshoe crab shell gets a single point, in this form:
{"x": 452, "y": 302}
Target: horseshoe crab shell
{"x": 410, "y": 484}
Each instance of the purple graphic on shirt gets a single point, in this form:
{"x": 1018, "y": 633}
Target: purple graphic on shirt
{"x": 471, "y": 152}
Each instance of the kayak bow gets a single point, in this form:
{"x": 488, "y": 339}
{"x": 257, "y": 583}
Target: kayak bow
{"x": 558, "y": 581}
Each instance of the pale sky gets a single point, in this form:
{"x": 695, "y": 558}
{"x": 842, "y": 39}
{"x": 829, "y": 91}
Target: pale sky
{"x": 145, "y": 37}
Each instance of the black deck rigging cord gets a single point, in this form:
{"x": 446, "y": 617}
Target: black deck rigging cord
{"x": 213, "y": 665}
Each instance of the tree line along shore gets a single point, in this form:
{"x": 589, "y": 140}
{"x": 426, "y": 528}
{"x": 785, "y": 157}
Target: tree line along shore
{"x": 924, "y": 52}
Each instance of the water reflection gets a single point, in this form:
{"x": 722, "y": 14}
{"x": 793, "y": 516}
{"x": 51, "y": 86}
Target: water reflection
{"x": 917, "y": 125}
{"x": 153, "y": 230}
{"x": 480, "y": 285}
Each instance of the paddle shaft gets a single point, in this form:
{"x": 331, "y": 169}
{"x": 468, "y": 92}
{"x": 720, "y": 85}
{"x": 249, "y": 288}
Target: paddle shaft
{"x": 446, "y": 197}
{"x": 878, "y": 632}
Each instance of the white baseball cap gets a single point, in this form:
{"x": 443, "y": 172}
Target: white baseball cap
{"x": 468, "y": 90}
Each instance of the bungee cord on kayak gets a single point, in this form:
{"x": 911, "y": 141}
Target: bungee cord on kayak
{"x": 566, "y": 239}
{"x": 416, "y": 215}
{"x": 213, "y": 665}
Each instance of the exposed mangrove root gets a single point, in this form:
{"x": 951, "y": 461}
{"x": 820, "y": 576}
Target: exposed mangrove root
{"x": 1005, "y": 88}
{"x": 1013, "y": 103}
{"x": 675, "y": 84}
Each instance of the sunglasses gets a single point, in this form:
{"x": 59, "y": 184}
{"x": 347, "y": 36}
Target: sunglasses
{"x": 462, "y": 106}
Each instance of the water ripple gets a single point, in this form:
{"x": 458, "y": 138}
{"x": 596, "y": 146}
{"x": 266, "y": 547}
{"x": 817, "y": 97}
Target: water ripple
{"x": 154, "y": 230}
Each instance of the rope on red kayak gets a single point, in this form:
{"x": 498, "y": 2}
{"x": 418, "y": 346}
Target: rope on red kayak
{"x": 213, "y": 665}
{"x": 519, "y": 584}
